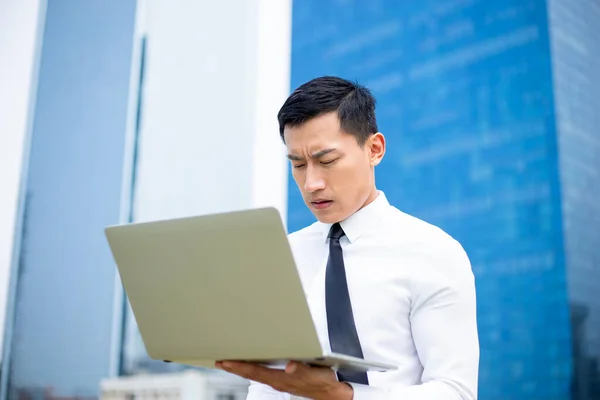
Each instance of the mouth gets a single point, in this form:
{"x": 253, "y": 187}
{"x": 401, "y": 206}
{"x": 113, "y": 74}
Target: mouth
{"x": 321, "y": 204}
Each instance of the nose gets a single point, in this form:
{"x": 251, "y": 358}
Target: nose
{"x": 314, "y": 180}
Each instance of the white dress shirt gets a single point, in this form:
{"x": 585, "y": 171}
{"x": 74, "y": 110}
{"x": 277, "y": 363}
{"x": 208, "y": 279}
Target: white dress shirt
{"x": 413, "y": 297}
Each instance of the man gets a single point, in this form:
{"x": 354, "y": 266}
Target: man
{"x": 380, "y": 284}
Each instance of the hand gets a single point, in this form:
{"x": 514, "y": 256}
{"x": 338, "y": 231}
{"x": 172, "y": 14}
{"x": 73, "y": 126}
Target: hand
{"x": 299, "y": 379}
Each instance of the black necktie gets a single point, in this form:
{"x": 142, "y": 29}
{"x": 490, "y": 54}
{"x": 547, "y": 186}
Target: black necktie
{"x": 343, "y": 337}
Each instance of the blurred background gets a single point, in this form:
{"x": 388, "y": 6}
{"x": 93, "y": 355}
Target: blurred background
{"x": 120, "y": 111}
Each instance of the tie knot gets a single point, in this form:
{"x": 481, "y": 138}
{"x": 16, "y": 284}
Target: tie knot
{"x": 336, "y": 231}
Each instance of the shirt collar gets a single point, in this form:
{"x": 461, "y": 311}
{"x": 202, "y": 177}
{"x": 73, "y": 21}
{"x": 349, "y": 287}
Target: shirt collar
{"x": 363, "y": 219}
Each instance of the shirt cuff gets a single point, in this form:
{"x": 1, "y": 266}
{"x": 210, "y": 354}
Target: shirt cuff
{"x": 365, "y": 392}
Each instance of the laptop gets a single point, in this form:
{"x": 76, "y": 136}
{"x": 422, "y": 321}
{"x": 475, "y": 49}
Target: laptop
{"x": 220, "y": 287}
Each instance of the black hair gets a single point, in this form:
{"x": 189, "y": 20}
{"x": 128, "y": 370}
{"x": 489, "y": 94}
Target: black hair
{"x": 353, "y": 103}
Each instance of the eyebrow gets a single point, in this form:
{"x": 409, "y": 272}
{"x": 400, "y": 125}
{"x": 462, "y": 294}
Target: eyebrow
{"x": 318, "y": 154}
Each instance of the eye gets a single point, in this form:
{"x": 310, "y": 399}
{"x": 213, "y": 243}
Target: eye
{"x": 328, "y": 162}
{"x": 298, "y": 165}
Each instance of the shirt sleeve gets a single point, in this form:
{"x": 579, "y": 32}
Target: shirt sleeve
{"x": 444, "y": 328}
{"x": 259, "y": 391}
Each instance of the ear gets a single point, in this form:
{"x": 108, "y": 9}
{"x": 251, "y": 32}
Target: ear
{"x": 376, "y": 148}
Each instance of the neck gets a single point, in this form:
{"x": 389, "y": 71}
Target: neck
{"x": 372, "y": 196}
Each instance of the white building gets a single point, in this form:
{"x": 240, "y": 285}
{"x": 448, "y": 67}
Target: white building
{"x": 116, "y": 112}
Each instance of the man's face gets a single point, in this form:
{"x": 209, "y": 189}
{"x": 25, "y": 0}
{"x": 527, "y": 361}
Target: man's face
{"x": 333, "y": 172}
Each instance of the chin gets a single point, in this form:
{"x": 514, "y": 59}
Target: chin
{"x": 328, "y": 216}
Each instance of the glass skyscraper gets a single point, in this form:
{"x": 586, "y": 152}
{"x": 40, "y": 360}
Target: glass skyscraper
{"x": 488, "y": 107}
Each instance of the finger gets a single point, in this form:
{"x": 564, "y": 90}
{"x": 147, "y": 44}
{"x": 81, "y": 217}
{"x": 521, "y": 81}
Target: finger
{"x": 291, "y": 367}
{"x": 236, "y": 367}
{"x": 297, "y": 367}
{"x": 253, "y": 372}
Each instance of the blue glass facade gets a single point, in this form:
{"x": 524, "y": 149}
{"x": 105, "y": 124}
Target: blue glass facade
{"x": 466, "y": 100}
{"x": 575, "y": 35}
{"x": 60, "y": 324}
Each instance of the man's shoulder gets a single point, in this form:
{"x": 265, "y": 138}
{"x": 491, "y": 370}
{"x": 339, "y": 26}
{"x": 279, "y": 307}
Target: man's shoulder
{"x": 429, "y": 242}
{"x": 407, "y": 226}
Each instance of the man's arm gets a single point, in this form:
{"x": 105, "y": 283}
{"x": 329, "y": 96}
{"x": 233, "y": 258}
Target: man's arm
{"x": 444, "y": 327}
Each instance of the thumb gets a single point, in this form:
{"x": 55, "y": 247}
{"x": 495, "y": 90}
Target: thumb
{"x": 291, "y": 367}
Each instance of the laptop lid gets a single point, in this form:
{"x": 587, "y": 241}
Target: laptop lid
{"x": 214, "y": 287}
